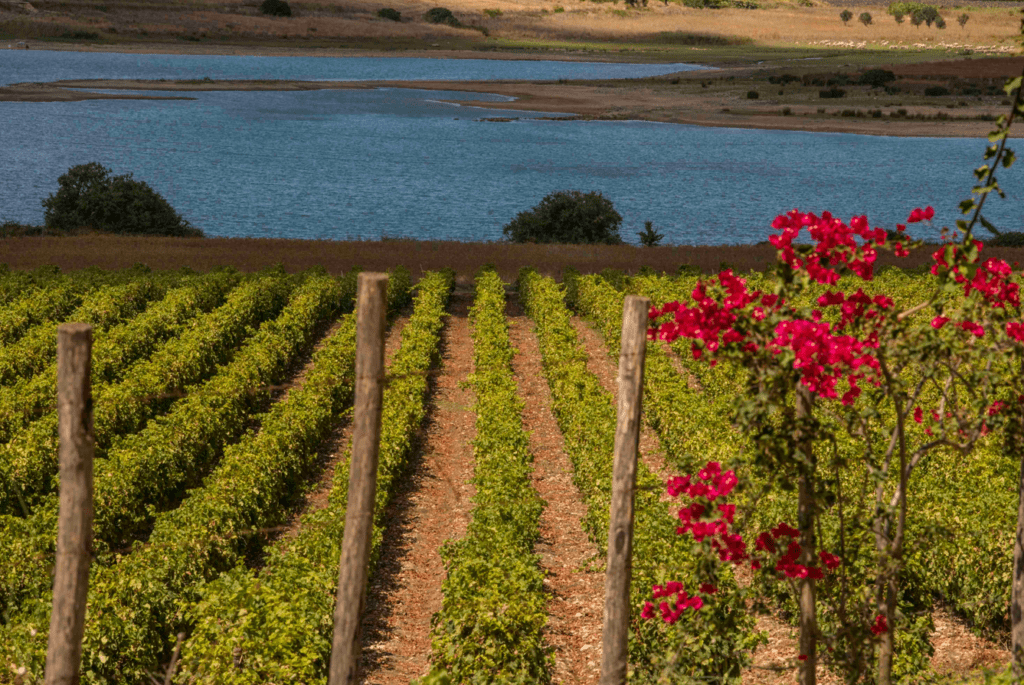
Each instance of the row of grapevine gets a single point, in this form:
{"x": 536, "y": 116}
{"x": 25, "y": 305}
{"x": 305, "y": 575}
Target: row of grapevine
{"x": 16, "y": 283}
{"x": 139, "y": 599}
{"x": 689, "y": 427}
{"x": 715, "y": 641}
{"x": 148, "y": 472}
{"x": 115, "y": 349}
{"x": 490, "y": 625}
{"x": 103, "y": 308}
{"x": 275, "y": 625}
{"x": 146, "y": 389}
{"x": 54, "y": 300}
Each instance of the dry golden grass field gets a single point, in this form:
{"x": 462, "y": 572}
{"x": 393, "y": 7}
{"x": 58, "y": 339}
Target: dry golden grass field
{"x": 664, "y": 29}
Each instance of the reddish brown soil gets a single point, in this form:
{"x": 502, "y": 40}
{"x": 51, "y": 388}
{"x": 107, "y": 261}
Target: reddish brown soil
{"x": 576, "y": 591}
{"x": 432, "y": 506}
{"x": 958, "y": 652}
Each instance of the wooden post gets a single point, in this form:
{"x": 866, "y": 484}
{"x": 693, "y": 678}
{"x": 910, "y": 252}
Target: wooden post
{"x": 362, "y": 484}
{"x": 615, "y": 639}
{"x": 74, "y": 532}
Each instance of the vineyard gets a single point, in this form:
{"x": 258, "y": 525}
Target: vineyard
{"x": 222, "y": 407}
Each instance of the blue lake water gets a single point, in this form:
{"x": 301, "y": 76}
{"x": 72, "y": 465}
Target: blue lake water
{"x": 400, "y": 163}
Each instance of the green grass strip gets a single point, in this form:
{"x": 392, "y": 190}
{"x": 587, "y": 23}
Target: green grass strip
{"x": 490, "y": 625}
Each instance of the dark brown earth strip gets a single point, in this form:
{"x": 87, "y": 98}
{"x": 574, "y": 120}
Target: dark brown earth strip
{"x": 575, "y": 590}
{"x": 431, "y": 506}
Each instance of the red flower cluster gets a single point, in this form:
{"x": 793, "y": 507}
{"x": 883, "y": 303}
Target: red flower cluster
{"x": 766, "y": 542}
{"x": 823, "y": 359}
{"x": 672, "y": 611}
{"x": 696, "y": 519}
{"x": 834, "y": 245}
{"x": 992, "y": 280}
{"x": 709, "y": 322}
{"x": 880, "y": 625}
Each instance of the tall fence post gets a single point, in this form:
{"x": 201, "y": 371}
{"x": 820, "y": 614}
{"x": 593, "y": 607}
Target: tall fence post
{"x": 74, "y": 532}
{"x": 362, "y": 484}
{"x": 619, "y": 569}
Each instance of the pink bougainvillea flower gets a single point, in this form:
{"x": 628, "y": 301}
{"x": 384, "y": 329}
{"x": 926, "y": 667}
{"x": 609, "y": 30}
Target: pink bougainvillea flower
{"x": 918, "y": 414}
{"x": 939, "y": 321}
{"x": 880, "y": 626}
{"x": 1015, "y": 331}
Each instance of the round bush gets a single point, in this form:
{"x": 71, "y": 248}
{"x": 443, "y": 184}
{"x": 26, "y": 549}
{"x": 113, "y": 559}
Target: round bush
{"x": 936, "y": 91}
{"x": 276, "y": 8}
{"x": 389, "y": 13}
{"x": 89, "y": 198}
{"x": 752, "y": 95}
{"x": 567, "y": 216}
{"x": 441, "y": 15}
{"x": 877, "y": 78}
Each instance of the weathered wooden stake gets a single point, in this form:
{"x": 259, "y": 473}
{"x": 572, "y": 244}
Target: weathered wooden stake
{"x": 74, "y": 532}
{"x": 362, "y": 484}
{"x": 619, "y": 570}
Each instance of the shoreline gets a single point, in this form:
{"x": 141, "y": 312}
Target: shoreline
{"x": 651, "y": 100}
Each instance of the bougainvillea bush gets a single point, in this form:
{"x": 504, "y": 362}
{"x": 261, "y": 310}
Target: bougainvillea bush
{"x": 832, "y": 372}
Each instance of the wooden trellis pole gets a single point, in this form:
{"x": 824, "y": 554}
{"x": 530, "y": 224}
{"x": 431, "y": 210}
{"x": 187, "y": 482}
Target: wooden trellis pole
{"x": 362, "y": 484}
{"x": 74, "y": 532}
{"x": 619, "y": 569}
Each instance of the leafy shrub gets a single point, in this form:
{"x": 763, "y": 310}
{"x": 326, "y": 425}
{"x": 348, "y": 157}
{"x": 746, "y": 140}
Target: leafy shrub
{"x": 650, "y": 237}
{"x": 89, "y": 197}
{"x": 962, "y": 19}
{"x": 916, "y": 18}
{"x": 940, "y": 23}
{"x": 876, "y": 78}
{"x": 898, "y": 16}
{"x": 389, "y": 13}
{"x": 492, "y": 13}
{"x": 567, "y": 216}
{"x": 276, "y": 8}
{"x": 832, "y": 93}
{"x": 930, "y": 14}
{"x": 752, "y": 95}
{"x": 783, "y": 79}
{"x": 846, "y": 16}
{"x": 936, "y": 91}
{"x": 1006, "y": 239}
{"x": 80, "y": 35}
{"x": 441, "y": 15}
{"x": 865, "y": 18}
